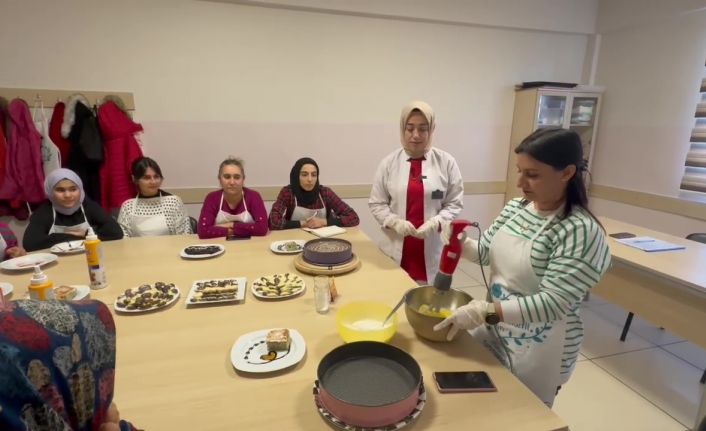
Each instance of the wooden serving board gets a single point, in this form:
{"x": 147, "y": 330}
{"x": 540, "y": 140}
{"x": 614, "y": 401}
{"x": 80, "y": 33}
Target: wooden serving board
{"x": 308, "y": 268}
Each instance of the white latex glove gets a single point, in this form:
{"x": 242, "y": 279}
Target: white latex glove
{"x": 446, "y": 233}
{"x": 469, "y": 316}
{"x": 401, "y": 227}
{"x": 428, "y": 227}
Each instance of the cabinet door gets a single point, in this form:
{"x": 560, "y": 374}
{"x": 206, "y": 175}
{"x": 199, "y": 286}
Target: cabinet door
{"x": 551, "y": 110}
{"x": 583, "y": 118}
{"x": 583, "y": 110}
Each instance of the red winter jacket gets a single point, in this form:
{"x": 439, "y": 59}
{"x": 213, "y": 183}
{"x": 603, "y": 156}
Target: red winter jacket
{"x": 25, "y": 155}
{"x": 63, "y": 144}
{"x": 121, "y": 149}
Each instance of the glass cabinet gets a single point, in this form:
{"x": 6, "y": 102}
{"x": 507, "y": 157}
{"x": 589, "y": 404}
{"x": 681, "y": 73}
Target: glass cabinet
{"x": 576, "y": 109}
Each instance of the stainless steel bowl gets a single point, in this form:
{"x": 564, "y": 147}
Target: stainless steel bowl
{"x": 423, "y": 324}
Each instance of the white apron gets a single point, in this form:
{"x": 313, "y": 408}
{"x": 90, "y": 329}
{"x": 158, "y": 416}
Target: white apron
{"x": 243, "y": 217}
{"x": 51, "y": 157}
{"x": 63, "y": 229}
{"x": 153, "y": 225}
{"x": 3, "y": 247}
{"x": 301, "y": 213}
{"x": 535, "y": 349}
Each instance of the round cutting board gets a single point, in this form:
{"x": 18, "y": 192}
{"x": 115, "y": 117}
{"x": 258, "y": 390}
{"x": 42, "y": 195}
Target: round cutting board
{"x": 309, "y": 268}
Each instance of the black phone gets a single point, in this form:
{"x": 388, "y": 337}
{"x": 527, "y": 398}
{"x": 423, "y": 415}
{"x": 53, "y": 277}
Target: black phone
{"x": 622, "y": 235}
{"x": 236, "y": 238}
{"x": 463, "y": 381}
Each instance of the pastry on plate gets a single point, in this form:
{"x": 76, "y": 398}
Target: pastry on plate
{"x": 279, "y": 285}
{"x": 278, "y": 339}
{"x": 65, "y": 293}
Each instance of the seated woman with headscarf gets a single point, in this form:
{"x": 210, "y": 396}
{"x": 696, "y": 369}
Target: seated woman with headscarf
{"x": 235, "y": 210}
{"x": 57, "y": 364}
{"x": 68, "y": 214}
{"x": 153, "y": 211}
{"x": 306, "y": 203}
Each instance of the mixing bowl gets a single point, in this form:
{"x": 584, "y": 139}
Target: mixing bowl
{"x": 421, "y": 298}
{"x": 362, "y": 321}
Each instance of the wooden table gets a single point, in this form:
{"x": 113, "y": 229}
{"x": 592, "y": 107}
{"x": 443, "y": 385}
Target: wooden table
{"x": 668, "y": 289}
{"x": 173, "y": 366}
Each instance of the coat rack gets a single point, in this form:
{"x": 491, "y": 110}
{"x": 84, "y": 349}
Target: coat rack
{"x": 50, "y": 97}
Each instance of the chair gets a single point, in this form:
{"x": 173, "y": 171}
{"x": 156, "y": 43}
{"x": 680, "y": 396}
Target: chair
{"x": 698, "y": 237}
{"x": 192, "y": 222}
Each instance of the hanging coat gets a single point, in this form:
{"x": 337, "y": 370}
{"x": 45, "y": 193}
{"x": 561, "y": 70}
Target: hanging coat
{"x": 26, "y": 162}
{"x": 64, "y": 145}
{"x": 86, "y": 155}
{"x": 121, "y": 150}
{"x": 3, "y": 149}
{"x": 51, "y": 158}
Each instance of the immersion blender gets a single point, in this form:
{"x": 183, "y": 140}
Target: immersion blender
{"x": 450, "y": 255}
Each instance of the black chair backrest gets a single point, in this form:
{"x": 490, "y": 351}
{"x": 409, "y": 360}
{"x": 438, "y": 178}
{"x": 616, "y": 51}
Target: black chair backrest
{"x": 192, "y": 221}
{"x": 698, "y": 237}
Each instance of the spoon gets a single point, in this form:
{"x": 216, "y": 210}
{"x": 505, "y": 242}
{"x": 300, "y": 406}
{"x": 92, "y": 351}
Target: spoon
{"x": 396, "y": 307}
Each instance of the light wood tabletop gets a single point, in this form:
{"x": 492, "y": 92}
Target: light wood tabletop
{"x": 686, "y": 267}
{"x": 666, "y": 288}
{"x": 173, "y": 366}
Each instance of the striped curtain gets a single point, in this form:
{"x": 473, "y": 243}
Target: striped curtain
{"x": 694, "y": 178}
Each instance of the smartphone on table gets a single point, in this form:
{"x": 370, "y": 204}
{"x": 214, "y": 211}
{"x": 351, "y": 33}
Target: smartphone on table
{"x": 463, "y": 381}
{"x": 236, "y": 238}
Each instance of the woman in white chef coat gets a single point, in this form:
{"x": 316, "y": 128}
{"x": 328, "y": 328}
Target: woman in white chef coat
{"x": 415, "y": 188}
{"x": 153, "y": 211}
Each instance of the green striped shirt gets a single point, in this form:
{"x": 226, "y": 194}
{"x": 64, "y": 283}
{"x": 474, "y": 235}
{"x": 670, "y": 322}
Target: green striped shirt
{"x": 569, "y": 256}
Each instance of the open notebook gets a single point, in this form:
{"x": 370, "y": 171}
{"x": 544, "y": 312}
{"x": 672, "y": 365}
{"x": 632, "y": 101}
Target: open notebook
{"x": 325, "y": 232}
{"x": 647, "y": 243}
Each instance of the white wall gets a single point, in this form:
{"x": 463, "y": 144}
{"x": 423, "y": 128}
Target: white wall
{"x": 573, "y": 16}
{"x": 270, "y": 85}
{"x": 212, "y": 79}
{"x": 651, "y": 61}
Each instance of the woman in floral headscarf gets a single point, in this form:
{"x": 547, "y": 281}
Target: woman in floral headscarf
{"x": 57, "y": 367}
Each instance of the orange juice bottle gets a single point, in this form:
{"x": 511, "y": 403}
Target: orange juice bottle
{"x": 40, "y": 287}
{"x": 94, "y": 259}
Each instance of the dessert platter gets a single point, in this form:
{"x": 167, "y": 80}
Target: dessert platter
{"x": 74, "y": 292}
{"x": 202, "y": 251}
{"x": 327, "y": 256}
{"x": 68, "y": 247}
{"x": 278, "y": 286}
{"x": 292, "y": 246}
{"x": 217, "y": 290}
{"x": 267, "y": 350}
{"x": 147, "y": 297}
{"x": 27, "y": 262}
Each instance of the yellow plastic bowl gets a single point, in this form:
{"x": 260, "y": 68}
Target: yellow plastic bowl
{"x": 362, "y": 321}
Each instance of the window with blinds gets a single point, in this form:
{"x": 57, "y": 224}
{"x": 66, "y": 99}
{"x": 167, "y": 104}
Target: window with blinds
{"x": 694, "y": 178}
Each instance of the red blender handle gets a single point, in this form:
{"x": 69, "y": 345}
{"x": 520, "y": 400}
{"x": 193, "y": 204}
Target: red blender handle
{"x": 450, "y": 255}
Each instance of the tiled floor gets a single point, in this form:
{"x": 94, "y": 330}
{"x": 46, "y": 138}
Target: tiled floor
{"x": 649, "y": 382}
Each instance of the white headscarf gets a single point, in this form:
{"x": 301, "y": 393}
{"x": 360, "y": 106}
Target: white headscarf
{"x": 53, "y": 179}
{"x": 407, "y": 112}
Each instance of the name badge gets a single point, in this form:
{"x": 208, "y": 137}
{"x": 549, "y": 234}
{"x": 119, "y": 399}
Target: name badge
{"x": 437, "y": 194}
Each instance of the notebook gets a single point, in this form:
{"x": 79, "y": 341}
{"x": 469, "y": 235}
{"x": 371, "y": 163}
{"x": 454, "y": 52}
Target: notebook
{"x": 647, "y": 243}
{"x": 325, "y": 232}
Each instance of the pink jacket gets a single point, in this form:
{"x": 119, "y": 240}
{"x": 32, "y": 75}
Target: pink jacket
{"x": 25, "y": 157}
{"x": 121, "y": 149}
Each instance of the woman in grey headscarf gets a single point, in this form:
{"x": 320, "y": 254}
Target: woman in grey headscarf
{"x": 68, "y": 214}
